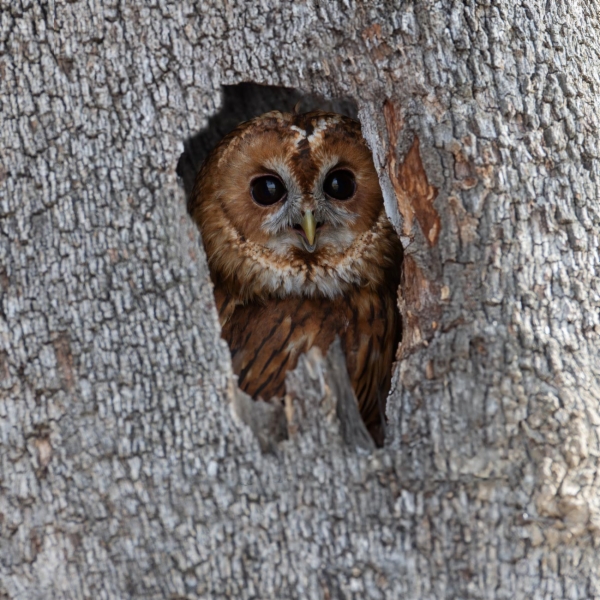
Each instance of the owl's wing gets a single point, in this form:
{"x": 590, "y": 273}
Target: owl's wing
{"x": 370, "y": 341}
{"x": 266, "y": 339}
{"x": 226, "y": 304}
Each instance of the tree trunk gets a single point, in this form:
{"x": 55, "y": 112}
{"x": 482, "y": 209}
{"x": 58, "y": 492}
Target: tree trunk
{"x": 126, "y": 466}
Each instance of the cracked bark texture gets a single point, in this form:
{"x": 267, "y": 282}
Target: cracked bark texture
{"x": 124, "y": 470}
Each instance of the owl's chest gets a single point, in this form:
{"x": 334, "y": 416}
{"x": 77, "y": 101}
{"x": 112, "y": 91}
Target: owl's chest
{"x": 267, "y": 339}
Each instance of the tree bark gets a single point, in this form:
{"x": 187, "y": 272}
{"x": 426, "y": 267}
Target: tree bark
{"x": 126, "y": 466}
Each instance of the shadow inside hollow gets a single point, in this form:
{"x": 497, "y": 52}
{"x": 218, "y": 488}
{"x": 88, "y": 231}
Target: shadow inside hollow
{"x": 243, "y": 102}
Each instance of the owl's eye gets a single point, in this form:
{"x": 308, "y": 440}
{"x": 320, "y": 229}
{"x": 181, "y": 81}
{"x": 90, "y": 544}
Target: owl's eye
{"x": 267, "y": 190}
{"x": 340, "y": 185}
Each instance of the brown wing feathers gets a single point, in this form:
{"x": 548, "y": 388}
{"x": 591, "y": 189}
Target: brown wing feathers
{"x": 267, "y": 339}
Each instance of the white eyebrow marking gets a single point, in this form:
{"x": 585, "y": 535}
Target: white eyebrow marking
{"x": 321, "y": 126}
{"x": 317, "y": 132}
{"x": 300, "y": 131}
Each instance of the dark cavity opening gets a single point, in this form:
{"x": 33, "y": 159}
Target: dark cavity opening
{"x": 241, "y": 103}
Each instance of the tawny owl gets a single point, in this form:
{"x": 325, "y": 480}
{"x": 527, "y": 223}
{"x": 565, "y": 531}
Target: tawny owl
{"x": 300, "y": 250}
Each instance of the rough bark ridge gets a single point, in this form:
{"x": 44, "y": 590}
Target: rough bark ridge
{"x": 124, "y": 472}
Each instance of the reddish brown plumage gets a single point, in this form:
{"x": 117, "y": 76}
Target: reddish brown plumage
{"x": 275, "y": 298}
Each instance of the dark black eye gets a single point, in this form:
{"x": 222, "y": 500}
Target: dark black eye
{"x": 267, "y": 190}
{"x": 340, "y": 185}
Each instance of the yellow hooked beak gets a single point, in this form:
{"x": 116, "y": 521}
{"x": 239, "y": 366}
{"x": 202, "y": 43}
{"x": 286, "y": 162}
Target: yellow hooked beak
{"x": 309, "y": 225}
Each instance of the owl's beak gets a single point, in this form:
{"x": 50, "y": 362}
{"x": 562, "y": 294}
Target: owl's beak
{"x": 309, "y": 226}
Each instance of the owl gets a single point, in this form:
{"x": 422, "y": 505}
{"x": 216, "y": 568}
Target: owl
{"x": 300, "y": 251}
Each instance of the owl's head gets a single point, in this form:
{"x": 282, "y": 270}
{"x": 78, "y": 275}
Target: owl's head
{"x": 291, "y": 205}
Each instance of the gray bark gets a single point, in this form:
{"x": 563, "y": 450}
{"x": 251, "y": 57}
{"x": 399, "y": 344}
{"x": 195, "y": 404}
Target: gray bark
{"x": 125, "y": 470}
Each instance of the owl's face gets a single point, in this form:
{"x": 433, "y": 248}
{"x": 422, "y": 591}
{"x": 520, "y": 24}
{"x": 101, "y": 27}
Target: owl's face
{"x": 291, "y": 204}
